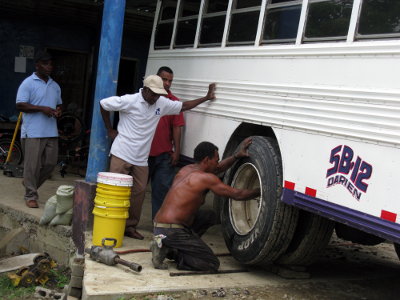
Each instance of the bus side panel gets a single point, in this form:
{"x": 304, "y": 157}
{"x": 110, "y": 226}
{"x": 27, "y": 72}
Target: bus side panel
{"x": 200, "y": 127}
{"x": 356, "y": 175}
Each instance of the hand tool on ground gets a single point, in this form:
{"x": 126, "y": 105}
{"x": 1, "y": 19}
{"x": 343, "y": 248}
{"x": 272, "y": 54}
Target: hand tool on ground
{"x": 106, "y": 255}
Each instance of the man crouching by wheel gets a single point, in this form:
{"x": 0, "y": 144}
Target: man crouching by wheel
{"x": 179, "y": 223}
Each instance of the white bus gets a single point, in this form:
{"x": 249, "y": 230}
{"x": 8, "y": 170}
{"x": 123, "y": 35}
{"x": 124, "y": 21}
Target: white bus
{"x": 316, "y": 84}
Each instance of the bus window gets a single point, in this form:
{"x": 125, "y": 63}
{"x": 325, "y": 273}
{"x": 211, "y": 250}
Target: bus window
{"x": 214, "y": 6}
{"x": 328, "y": 20}
{"x": 244, "y": 21}
{"x": 247, "y": 3}
{"x": 379, "y": 18}
{"x": 213, "y": 23}
{"x": 281, "y": 21}
{"x": 165, "y": 25}
{"x": 187, "y": 23}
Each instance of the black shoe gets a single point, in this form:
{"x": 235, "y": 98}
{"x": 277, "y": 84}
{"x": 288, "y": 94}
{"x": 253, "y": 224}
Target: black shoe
{"x": 171, "y": 254}
{"x": 158, "y": 256}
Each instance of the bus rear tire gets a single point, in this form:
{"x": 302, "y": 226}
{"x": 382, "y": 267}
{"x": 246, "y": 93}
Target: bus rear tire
{"x": 311, "y": 236}
{"x": 258, "y": 231}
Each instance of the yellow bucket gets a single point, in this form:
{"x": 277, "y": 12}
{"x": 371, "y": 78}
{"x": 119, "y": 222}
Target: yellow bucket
{"x": 109, "y": 223}
{"x": 112, "y": 201}
{"x": 118, "y": 191}
{"x": 112, "y": 196}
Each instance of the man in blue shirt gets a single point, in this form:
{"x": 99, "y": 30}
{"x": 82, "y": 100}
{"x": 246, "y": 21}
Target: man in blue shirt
{"x": 39, "y": 98}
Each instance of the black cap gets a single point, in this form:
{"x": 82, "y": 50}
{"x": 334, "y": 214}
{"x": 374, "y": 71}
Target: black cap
{"x": 42, "y": 56}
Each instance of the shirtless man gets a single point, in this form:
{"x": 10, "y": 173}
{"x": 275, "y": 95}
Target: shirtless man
{"x": 179, "y": 218}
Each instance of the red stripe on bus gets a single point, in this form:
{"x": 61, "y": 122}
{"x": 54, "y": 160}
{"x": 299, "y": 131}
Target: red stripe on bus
{"x": 289, "y": 185}
{"x": 387, "y": 215}
{"x": 311, "y": 192}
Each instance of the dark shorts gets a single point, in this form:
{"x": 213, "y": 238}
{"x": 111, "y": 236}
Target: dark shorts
{"x": 189, "y": 251}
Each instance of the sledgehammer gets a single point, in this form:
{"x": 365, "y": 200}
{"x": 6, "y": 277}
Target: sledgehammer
{"x": 107, "y": 256}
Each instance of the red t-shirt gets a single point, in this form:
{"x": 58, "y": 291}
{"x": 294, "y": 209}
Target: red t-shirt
{"x": 163, "y": 140}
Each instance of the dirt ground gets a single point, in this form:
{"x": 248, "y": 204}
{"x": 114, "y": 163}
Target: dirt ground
{"x": 344, "y": 271}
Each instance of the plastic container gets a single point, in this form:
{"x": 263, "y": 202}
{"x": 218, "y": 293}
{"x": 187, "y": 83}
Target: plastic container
{"x": 112, "y": 202}
{"x": 109, "y": 223}
{"x": 116, "y": 179}
{"x": 112, "y": 196}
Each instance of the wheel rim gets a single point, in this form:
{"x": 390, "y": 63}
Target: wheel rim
{"x": 244, "y": 214}
{"x": 15, "y": 155}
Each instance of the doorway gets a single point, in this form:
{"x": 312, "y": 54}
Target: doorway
{"x": 127, "y": 78}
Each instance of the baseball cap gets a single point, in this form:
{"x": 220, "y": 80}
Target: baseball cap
{"x": 43, "y": 56}
{"x": 155, "y": 83}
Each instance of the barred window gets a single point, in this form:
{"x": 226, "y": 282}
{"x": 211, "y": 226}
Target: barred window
{"x": 281, "y": 21}
{"x": 244, "y": 22}
{"x": 165, "y": 25}
{"x": 328, "y": 20}
{"x": 187, "y": 23}
{"x": 213, "y": 23}
{"x": 379, "y": 19}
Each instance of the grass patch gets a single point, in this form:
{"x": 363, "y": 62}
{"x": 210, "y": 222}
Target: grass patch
{"x": 8, "y": 291}
{"x": 58, "y": 278}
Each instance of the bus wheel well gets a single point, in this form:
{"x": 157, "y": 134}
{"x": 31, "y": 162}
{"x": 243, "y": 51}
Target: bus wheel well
{"x": 245, "y": 130}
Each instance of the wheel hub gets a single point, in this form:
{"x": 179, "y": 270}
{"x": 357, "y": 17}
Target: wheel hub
{"x": 244, "y": 214}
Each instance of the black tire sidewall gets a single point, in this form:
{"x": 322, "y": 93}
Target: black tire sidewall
{"x": 16, "y": 146}
{"x": 247, "y": 248}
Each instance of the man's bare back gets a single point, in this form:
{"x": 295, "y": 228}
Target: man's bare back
{"x": 190, "y": 185}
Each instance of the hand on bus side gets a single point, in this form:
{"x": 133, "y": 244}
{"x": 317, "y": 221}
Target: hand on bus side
{"x": 211, "y": 91}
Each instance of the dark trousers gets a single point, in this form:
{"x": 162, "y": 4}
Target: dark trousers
{"x": 161, "y": 174}
{"x": 189, "y": 251}
{"x": 40, "y": 158}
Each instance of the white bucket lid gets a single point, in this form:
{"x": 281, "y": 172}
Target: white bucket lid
{"x": 114, "y": 179}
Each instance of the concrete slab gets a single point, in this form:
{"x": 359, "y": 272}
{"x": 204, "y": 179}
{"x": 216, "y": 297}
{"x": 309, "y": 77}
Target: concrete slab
{"x": 15, "y": 215}
{"x": 113, "y": 282}
{"x": 12, "y": 192}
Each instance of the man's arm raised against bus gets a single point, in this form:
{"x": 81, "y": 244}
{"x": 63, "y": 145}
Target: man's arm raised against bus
{"x": 187, "y": 105}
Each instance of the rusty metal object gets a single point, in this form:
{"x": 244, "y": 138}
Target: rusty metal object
{"x": 106, "y": 255}
{"x": 82, "y": 217}
{"x": 188, "y": 273}
{"x": 34, "y": 274}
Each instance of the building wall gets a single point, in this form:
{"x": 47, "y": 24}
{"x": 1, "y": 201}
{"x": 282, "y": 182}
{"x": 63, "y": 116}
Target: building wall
{"x": 16, "y": 32}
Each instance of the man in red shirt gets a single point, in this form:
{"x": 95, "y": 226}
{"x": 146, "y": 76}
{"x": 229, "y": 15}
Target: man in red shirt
{"x": 165, "y": 148}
